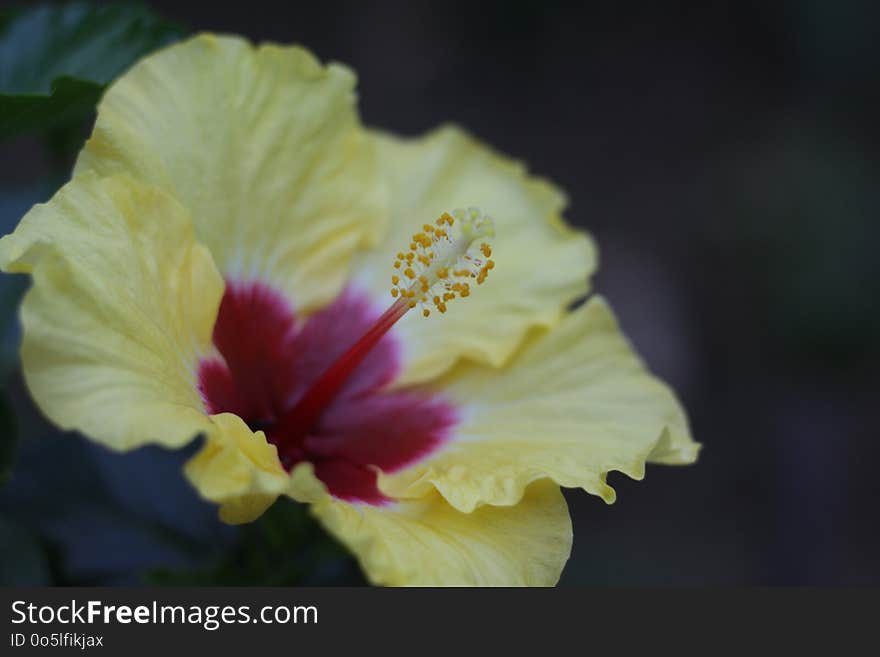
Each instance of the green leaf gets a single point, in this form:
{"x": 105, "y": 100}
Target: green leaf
{"x": 7, "y": 440}
{"x": 56, "y": 60}
{"x": 285, "y": 547}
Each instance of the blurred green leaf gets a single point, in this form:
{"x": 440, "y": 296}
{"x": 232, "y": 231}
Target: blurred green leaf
{"x": 23, "y": 560}
{"x": 7, "y": 440}
{"x": 55, "y": 60}
{"x": 285, "y": 547}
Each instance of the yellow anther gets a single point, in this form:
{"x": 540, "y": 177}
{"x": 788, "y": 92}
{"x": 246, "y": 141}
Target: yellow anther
{"x": 490, "y": 264}
{"x": 441, "y": 258}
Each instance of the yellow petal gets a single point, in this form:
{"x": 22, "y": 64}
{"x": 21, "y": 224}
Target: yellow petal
{"x": 542, "y": 265}
{"x": 237, "y": 469}
{"x": 573, "y": 405}
{"x": 426, "y": 542}
{"x": 304, "y": 486}
{"x": 263, "y": 147}
{"x": 122, "y": 306}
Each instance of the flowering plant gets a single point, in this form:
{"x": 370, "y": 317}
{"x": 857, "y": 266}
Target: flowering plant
{"x": 231, "y": 259}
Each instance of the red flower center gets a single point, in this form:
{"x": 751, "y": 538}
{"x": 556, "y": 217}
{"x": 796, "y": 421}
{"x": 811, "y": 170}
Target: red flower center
{"x": 270, "y": 363}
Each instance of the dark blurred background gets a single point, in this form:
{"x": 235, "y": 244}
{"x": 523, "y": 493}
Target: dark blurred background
{"x": 724, "y": 155}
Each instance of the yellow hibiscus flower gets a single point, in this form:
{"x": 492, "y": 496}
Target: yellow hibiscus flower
{"x": 219, "y": 265}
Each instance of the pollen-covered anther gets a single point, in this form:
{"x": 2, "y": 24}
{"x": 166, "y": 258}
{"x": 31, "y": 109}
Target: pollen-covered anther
{"x": 442, "y": 257}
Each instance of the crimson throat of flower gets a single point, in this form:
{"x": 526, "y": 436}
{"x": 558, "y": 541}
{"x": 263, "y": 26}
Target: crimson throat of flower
{"x": 441, "y": 260}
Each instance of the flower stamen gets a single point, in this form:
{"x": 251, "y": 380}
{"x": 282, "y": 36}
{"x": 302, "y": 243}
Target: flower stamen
{"x": 435, "y": 271}
{"x": 439, "y": 262}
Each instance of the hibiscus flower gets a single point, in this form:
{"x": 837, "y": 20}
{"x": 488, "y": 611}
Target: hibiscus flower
{"x": 232, "y": 260}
